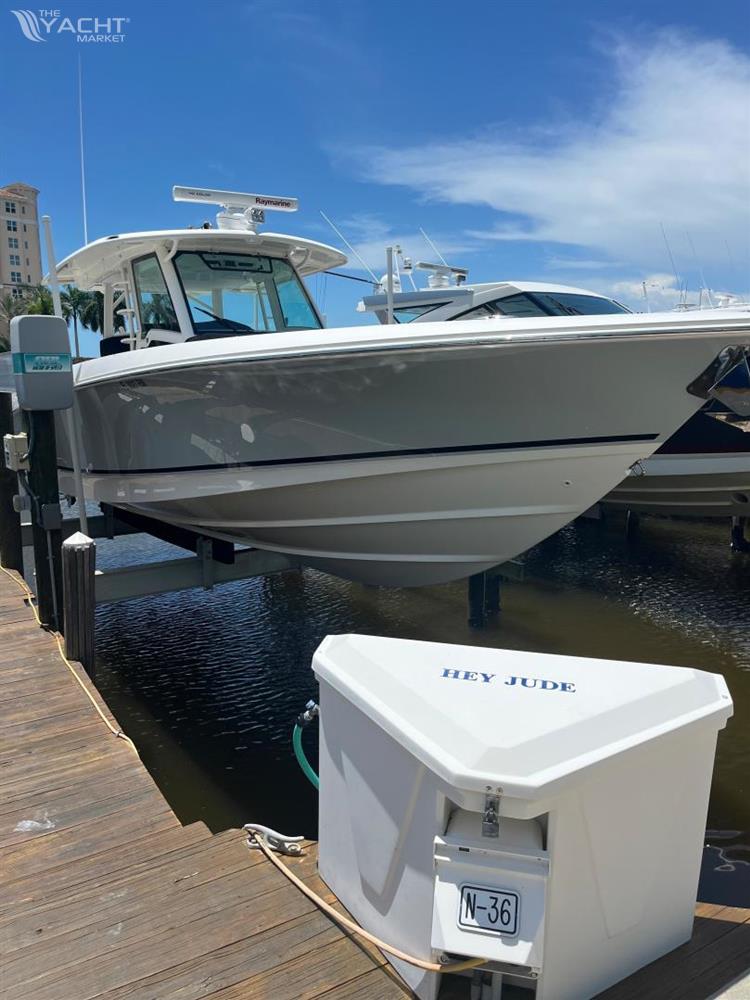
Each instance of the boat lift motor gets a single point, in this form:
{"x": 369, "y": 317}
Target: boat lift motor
{"x": 543, "y": 813}
{"x": 42, "y": 365}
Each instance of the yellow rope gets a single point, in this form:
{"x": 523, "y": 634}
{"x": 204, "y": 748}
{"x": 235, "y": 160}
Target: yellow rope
{"x": 421, "y": 963}
{"x": 21, "y": 583}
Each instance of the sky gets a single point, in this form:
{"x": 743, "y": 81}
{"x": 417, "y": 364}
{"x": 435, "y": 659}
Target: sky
{"x": 590, "y": 143}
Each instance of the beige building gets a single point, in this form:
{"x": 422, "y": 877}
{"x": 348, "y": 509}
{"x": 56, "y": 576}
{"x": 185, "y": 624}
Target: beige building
{"x": 20, "y": 256}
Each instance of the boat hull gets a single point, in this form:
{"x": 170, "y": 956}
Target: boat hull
{"x": 407, "y": 521}
{"x": 401, "y": 467}
{"x": 711, "y": 485}
{"x": 701, "y": 471}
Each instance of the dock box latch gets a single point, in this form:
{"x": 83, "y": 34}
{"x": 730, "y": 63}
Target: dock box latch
{"x": 490, "y": 893}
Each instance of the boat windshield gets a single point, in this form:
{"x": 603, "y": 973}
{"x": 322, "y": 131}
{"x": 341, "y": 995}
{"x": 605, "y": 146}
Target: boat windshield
{"x": 230, "y": 293}
{"x": 575, "y": 304}
{"x": 545, "y": 304}
{"x": 407, "y": 314}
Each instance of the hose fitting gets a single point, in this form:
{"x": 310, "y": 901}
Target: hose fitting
{"x": 312, "y": 711}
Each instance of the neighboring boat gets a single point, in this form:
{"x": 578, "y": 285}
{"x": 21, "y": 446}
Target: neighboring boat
{"x": 703, "y": 470}
{"x": 400, "y": 455}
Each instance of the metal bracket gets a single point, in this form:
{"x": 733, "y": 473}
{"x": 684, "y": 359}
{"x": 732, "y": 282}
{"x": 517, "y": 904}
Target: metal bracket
{"x": 50, "y": 516}
{"x": 21, "y": 502}
{"x": 16, "y": 452}
{"x": 491, "y": 814}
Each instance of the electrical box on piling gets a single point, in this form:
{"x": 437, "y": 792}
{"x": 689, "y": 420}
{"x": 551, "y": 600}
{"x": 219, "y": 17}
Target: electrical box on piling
{"x": 43, "y": 376}
{"x": 543, "y": 813}
{"x": 42, "y": 364}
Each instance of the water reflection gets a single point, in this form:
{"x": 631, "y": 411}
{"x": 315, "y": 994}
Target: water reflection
{"x": 209, "y": 683}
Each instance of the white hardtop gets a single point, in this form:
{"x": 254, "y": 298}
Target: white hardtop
{"x": 527, "y": 723}
{"x": 507, "y": 287}
{"x": 454, "y": 299}
{"x": 101, "y": 262}
{"x": 532, "y": 286}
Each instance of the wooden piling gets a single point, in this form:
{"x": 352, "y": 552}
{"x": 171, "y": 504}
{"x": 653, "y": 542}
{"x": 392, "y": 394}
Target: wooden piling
{"x": 46, "y": 520}
{"x": 11, "y": 549}
{"x": 79, "y": 599}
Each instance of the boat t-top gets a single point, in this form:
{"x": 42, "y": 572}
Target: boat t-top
{"x": 397, "y": 454}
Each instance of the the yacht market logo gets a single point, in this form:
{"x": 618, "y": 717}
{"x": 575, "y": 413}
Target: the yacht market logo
{"x": 41, "y": 25}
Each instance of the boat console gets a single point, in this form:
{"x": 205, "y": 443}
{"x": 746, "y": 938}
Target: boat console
{"x": 168, "y": 287}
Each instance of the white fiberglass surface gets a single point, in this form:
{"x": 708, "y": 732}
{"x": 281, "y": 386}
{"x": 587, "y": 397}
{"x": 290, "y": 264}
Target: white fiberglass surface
{"x": 518, "y": 719}
{"x": 722, "y": 326}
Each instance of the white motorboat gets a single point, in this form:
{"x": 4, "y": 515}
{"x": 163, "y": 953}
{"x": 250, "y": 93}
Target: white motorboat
{"x": 398, "y": 455}
{"x": 702, "y": 470}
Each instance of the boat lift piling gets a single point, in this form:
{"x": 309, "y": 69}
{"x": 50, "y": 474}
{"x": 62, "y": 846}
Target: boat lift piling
{"x": 483, "y": 591}
{"x": 46, "y": 517}
{"x": 11, "y": 548}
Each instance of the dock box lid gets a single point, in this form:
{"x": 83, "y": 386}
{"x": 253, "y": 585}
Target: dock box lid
{"x": 526, "y": 722}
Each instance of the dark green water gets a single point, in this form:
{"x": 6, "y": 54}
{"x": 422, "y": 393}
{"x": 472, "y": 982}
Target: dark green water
{"x": 209, "y": 683}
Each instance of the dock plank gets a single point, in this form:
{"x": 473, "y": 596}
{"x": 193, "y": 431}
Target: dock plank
{"x": 109, "y": 897}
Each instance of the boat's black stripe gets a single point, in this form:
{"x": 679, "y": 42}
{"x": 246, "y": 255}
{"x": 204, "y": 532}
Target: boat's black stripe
{"x": 402, "y": 453}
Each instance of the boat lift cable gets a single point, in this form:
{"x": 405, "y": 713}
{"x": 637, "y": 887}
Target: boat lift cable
{"x": 260, "y": 837}
{"x": 30, "y": 599}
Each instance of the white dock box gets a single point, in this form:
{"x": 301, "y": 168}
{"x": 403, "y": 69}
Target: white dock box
{"x": 545, "y": 813}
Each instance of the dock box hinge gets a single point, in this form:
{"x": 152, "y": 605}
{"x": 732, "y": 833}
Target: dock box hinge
{"x": 491, "y": 814}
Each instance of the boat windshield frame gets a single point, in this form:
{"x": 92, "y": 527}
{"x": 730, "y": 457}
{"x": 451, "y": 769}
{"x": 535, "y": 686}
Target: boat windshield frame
{"x": 235, "y": 327}
{"x": 536, "y": 297}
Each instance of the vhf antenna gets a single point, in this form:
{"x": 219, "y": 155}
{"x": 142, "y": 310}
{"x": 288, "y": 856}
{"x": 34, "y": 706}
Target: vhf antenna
{"x": 700, "y": 269}
{"x": 433, "y": 247}
{"x": 83, "y": 165}
{"x": 349, "y": 247}
{"x": 669, "y": 251}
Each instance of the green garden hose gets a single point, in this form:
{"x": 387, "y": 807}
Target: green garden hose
{"x": 299, "y": 750}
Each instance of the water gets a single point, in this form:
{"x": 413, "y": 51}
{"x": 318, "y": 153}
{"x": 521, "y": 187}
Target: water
{"x": 209, "y": 683}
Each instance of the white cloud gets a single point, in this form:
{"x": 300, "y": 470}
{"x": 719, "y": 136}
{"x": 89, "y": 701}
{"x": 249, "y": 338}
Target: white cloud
{"x": 660, "y": 292}
{"x": 578, "y": 263}
{"x": 670, "y": 146}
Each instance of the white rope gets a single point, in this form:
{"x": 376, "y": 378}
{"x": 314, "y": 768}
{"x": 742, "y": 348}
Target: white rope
{"x": 256, "y": 838}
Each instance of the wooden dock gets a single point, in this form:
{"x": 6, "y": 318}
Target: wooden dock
{"x": 104, "y": 894}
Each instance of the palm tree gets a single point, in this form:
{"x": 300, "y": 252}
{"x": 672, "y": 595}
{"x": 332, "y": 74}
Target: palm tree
{"x": 74, "y": 302}
{"x": 10, "y": 306}
{"x": 39, "y": 301}
{"x": 93, "y": 314}
{"x": 31, "y": 299}
{"x": 158, "y": 312}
